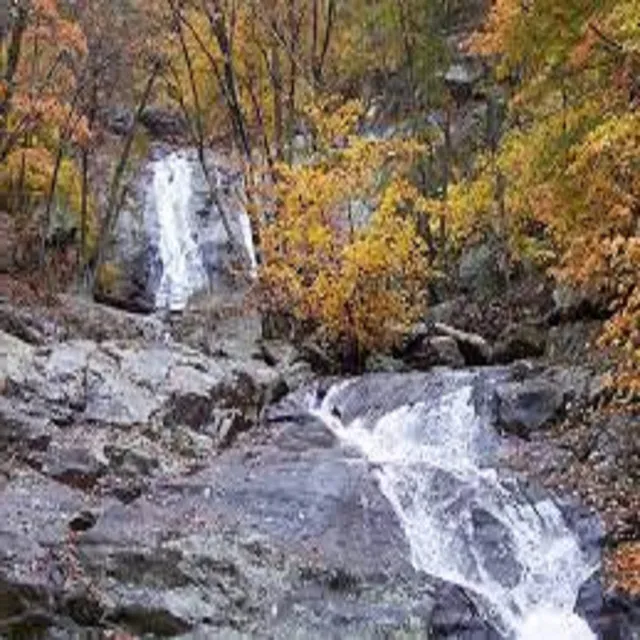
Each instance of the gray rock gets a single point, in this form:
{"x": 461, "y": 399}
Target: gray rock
{"x": 435, "y": 351}
{"x": 479, "y": 271}
{"x": 31, "y": 326}
{"x": 125, "y": 385}
{"x": 518, "y": 342}
{"x": 35, "y": 564}
{"x": 536, "y": 400}
{"x": 525, "y": 407}
{"x": 76, "y": 467}
{"x": 284, "y": 535}
{"x": 132, "y": 270}
{"x": 278, "y": 547}
{"x": 473, "y": 347}
{"x": 493, "y": 542}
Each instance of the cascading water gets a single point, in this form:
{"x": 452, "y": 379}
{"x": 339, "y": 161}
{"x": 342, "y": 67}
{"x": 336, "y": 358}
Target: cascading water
{"x": 192, "y": 242}
{"x": 432, "y": 466}
{"x": 183, "y": 271}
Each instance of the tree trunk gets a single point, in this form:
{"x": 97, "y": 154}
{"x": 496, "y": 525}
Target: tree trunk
{"x": 12, "y": 62}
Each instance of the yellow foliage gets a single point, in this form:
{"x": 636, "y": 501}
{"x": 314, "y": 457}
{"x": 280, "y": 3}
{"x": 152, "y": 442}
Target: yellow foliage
{"x": 574, "y": 167}
{"x": 30, "y": 171}
{"x": 107, "y": 277}
{"x": 358, "y": 282}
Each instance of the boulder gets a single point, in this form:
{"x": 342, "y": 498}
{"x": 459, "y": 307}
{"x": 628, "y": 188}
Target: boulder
{"x": 474, "y": 348}
{"x": 435, "y": 351}
{"x": 538, "y": 399}
{"x": 518, "y": 342}
{"x": 274, "y": 540}
{"x": 126, "y": 284}
{"x": 526, "y": 407}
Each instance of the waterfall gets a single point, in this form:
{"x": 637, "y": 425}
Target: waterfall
{"x": 183, "y": 271}
{"x": 187, "y": 230}
{"x": 464, "y": 524}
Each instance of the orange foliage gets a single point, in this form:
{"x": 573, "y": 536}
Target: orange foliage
{"x": 624, "y": 568}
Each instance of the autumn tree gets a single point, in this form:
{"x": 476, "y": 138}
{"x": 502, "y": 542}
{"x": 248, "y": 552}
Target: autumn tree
{"x": 341, "y": 248}
{"x": 571, "y": 158}
{"x": 40, "y": 119}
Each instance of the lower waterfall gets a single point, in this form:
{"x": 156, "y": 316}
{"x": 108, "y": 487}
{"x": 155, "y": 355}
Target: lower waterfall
{"x": 429, "y": 457}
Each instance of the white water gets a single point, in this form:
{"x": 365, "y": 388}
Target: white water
{"x": 429, "y": 468}
{"x": 183, "y": 271}
{"x": 191, "y": 238}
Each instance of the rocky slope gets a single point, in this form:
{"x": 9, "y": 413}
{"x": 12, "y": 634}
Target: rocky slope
{"x": 165, "y": 490}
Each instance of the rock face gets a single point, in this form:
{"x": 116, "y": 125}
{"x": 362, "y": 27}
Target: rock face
{"x": 479, "y": 270}
{"x": 534, "y": 402}
{"x": 170, "y": 240}
{"x": 150, "y": 492}
{"x": 114, "y": 521}
{"x": 106, "y": 416}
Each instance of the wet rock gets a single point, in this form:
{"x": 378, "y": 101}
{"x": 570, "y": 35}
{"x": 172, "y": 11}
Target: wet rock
{"x": 496, "y": 548}
{"x": 610, "y": 614}
{"x": 456, "y": 617}
{"x": 526, "y": 407}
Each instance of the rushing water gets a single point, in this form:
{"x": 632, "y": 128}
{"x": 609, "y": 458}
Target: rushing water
{"x": 190, "y": 236}
{"x": 183, "y": 271}
{"x": 464, "y": 523}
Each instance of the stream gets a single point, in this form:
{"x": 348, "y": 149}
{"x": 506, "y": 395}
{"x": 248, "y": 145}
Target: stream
{"x": 433, "y": 458}
{"x": 433, "y": 452}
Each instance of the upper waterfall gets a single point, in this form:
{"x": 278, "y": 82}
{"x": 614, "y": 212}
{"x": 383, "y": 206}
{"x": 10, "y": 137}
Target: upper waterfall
{"x": 464, "y": 523}
{"x": 183, "y": 271}
{"x": 192, "y": 242}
